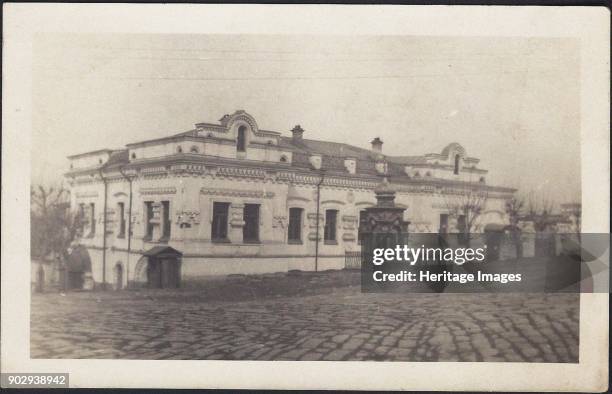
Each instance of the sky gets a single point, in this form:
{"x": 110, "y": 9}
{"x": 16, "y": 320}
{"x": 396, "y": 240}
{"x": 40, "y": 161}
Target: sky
{"x": 511, "y": 102}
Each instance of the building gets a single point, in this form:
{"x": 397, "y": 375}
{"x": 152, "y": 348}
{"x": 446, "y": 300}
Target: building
{"x": 231, "y": 198}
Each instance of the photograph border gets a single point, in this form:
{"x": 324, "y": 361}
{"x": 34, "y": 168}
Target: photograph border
{"x": 23, "y": 21}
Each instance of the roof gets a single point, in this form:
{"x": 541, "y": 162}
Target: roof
{"x": 174, "y": 137}
{"x": 93, "y": 152}
{"x": 117, "y": 157}
{"x": 334, "y": 153}
{"x": 158, "y": 250}
{"x": 407, "y": 160}
{"x": 326, "y": 148}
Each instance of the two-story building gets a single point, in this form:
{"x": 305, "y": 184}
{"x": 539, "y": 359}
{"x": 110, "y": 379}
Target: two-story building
{"x": 232, "y": 198}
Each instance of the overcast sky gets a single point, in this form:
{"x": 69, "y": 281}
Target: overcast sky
{"x": 512, "y": 102}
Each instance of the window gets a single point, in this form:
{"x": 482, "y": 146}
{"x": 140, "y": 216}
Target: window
{"x": 219, "y": 222}
{"x": 194, "y": 149}
{"x": 295, "y": 225}
{"x": 92, "y": 212}
{"x": 250, "y": 231}
{"x": 443, "y": 223}
{"x": 133, "y": 155}
{"x": 165, "y": 205}
{"x": 148, "y": 220}
{"x": 329, "y": 234}
{"x": 362, "y": 218}
{"x": 179, "y": 149}
{"x": 457, "y": 158}
{"x": 82, "y": 217}
{"x": 121, "y": 214}
{"x": 241, "y": 139}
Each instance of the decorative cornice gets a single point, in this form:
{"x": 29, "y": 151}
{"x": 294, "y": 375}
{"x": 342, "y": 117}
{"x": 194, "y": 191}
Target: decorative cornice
{"x": 88, "y": 194}
{"x": 201, "y": 165}
{"x": 241, "y": 172}
{"x": 333, "y": 202}
{"x": 298, "y": 198}
{"x": 237, "y": 193}
{"x": 157, "y": 190}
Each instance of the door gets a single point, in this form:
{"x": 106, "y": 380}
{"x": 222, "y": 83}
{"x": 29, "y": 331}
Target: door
{"x": 118, "y": 277}
{"x": 75, "y": 280}
{"x": 154, "y": 277}
{"x": 170, "y": 272}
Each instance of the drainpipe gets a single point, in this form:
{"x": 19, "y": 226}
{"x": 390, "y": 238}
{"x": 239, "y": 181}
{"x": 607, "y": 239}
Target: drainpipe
{"x": 317, "y": 231}
{"x": 129, "y": 234}
{"x": 104, "y": 232}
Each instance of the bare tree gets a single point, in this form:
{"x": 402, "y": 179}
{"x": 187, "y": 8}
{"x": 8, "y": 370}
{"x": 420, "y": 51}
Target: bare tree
{"x": 540, "y": 210}
{"x": 467, "y": 203}
{"x": 574, "y": 214}
{"x": 515, "y": 209}
{"x": 577, "y": 213}
{"x": 53, "y": 226}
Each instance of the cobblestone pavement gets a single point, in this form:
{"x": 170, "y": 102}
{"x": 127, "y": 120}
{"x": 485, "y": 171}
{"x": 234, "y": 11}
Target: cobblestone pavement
{"x": 343, "y": 325}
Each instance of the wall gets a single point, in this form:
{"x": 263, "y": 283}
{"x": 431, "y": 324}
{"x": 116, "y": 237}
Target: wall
{"x": 195, "y": 194}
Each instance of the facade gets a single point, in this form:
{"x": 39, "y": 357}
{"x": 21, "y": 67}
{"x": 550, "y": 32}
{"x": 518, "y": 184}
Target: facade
{"x": 231, "y": 198}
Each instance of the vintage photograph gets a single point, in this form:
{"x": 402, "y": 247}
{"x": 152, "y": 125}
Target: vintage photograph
{"x": 321, "y": 197}
{"x": 205, "y": 196}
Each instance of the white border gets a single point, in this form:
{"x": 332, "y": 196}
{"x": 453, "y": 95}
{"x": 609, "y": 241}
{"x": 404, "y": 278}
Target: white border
{"x": 21, "y": 21}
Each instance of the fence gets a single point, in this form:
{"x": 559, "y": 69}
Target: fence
{"x": 352, "y": 260}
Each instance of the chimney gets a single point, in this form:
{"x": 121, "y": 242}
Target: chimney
{"x": 297, "y": 132}
{"x": 377, "y": 145}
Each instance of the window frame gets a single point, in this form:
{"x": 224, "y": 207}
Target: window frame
{"x": 241, "y": 139}
{"x": 122, "y": 224}
{"x": 360, "y": 224}
{"x": 443, "y": 230}
{"x": 457, "y": 161}
{"x": 253, "y": 221}
{"x": 295, "y": 227}
{"x": 92, "y": 225}
{"x": 83, "y": 216}
{"x": 225, "y": 237}
{"x": 148, "y": 208}
{"x": 166, "y": 223}
{"x": 328, "y": 230}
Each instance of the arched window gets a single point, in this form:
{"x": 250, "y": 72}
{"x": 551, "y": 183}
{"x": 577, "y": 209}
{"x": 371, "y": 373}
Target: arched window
{"x": 241, "y": 139}
{"x": 179, "y": 149}
{"x": 133, "y": 155}
{"x": 283, "y": 159}
{"x": 194, "y": 149}
{"x": 457, "y": 158}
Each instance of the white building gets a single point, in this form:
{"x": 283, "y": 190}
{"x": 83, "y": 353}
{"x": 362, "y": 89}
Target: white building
{"x": 232, "y": 198}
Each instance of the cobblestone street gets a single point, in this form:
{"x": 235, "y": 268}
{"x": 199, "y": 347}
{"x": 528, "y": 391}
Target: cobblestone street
{"x": 341, "y": 325}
